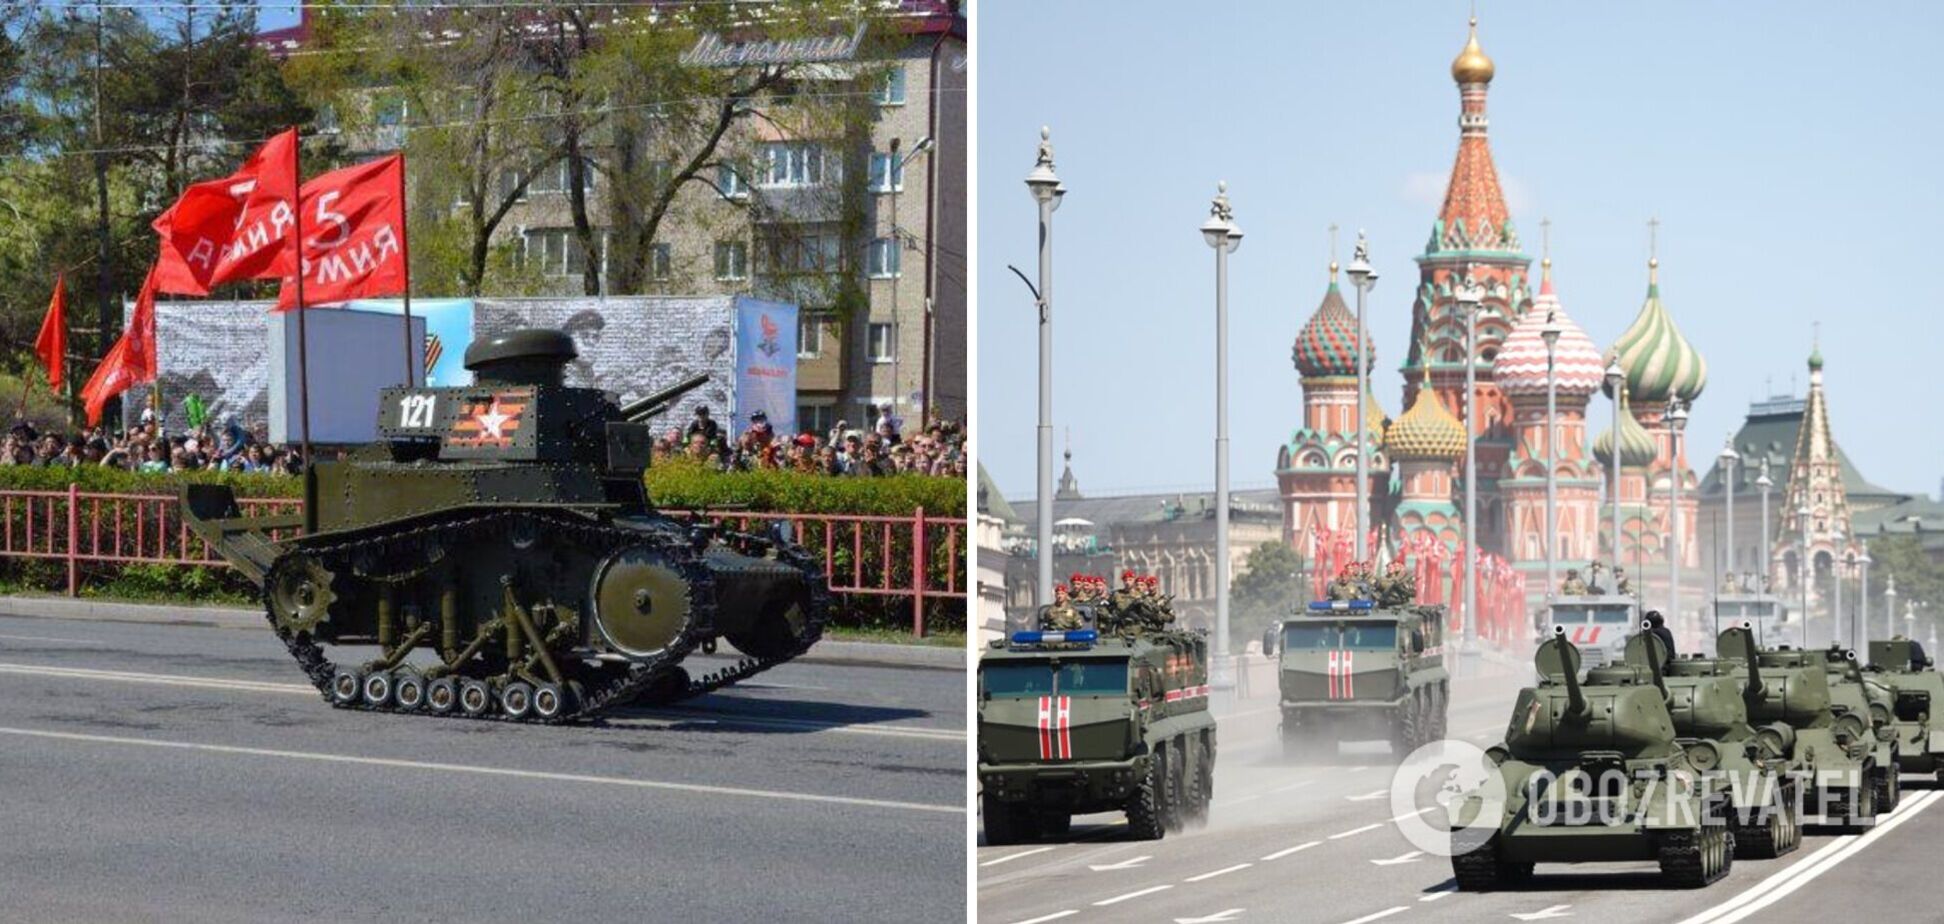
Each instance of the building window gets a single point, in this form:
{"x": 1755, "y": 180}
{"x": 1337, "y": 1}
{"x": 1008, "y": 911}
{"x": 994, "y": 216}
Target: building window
{"x": 731, "y": 260}
{"x": 880, "y": 348}
{"x": 798, "y": 249}
{"x": 883, "y": 259}
{"x": 796, "y": 164}
{"x": 730, "y": 183}
{"x": 892, "y": 93}
{"x": 886, "y": 173}
{"x": 816, "y": 418}
{"x": 661, "y": 261}
{"x": 509, "y": 183}
{"x": 809, "y": 336}
{"x": 554, "y": 252}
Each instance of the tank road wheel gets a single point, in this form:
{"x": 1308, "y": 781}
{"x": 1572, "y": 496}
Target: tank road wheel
{"x": 1144, "y": 807}
{"x": 299, "y": 593}
{"x": 1859, "y": 806}
{"x": 641, "y": 601}
{"x": 475, "y": 697}
{"x": 442, "y": 695}
{"x": 378, "y": 689}
{"x": 409, "y": 691}
{"x": 549, "y": 702}
{"x": 346, "y": 687}
{"x": 516, "y": 700}
{"x": 1889, "y": 788}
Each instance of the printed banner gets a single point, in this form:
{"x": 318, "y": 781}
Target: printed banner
{"x": 448, "y": 331}
{"x": 766, "y": 363}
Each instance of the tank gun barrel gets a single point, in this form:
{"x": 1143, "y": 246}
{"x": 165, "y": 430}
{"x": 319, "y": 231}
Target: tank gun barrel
{"x": 656, "y": 403}
{"x": 1754, "y": 690}
{"x": 1568, "y": 655}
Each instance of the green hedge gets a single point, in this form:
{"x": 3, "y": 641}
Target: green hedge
{"x": 97, "y": 479}
{"x": 685, "y": 485}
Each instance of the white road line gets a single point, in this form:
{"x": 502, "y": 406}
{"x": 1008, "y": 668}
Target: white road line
{"x": 1226, "y": 869}
{"x": 1051, "y": 917}
{"x": 261, "y": 686}
{"x": 1228, "y": 802}
{"x": 44, "y": 638}
{"x": 1366, "y": 797}
{"x": 1415, "y": 814}
{"x": 1299, "y": 784}
{"x": 1775, "y": 887}
{"x": 1368, "y": 827}
{"x": 1387, "y": 912}
{"x": 782, "y": 796}
{"x": 1289, "y": 850}
{"x": 1440, "y": 892}
{"x": 1012, "y": 857}
{"x": 1121, "y": 898}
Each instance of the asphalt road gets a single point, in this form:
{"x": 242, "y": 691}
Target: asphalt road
{"x": 164, "y": 773}
{"x": 1319, "y": 842}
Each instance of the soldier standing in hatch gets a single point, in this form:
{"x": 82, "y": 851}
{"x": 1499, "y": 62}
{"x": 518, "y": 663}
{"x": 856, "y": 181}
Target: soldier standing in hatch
{"x": 1593, "y": 569}
{"x": 1573, "y": 586}
{"x": 1061, "y": 616}
{"x": 1622, "y": 584}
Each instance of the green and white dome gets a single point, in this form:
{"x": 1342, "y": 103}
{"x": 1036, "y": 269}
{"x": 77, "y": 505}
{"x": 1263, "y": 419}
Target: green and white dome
{"x": 1660, "y": 363}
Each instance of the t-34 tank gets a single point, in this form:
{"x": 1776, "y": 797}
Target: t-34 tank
{"x": 503, "y": 530}
{"x": 1914, "y": 689}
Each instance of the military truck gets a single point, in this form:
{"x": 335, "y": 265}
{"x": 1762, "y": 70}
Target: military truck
{"x": 1596, "y": 624}
{"x": 1350, "y": 670}
{"x": 1591, "y": 771}
{"x": 1764, "y": 614}
{"x": 501, "y": 532}
{"x": 1913, "y": 690}
{"x": 1709, "y": 699}
{"x": 1855, "y": 695}
{"x": 1832, "y": 743}
{"x": 1076, "y": 722}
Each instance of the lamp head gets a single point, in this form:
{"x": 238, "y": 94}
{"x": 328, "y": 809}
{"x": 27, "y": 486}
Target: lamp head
{"x": 1042, "y": 183}
{"x": 1550, "y": 333}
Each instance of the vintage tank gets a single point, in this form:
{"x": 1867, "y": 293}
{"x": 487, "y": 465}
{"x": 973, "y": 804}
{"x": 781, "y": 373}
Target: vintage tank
{"x": 1856, "y": 692}
{"x": 496, "y": 547}
{"x": 1915, "y": 689}
{"x": 1836, "y": 747}
{"x": 1077, "y": 722}
{"x": 1350, "y": 670}
{"x": 1592, "y": 771}
{"x": 1709, "y": 700}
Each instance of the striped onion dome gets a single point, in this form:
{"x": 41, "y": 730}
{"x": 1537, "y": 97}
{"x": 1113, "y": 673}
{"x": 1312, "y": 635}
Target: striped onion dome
{"x": 1636, "y": 447}
{"x": 1426, "y": 431}
{"x": 1520, "y": 368}
{"x": 1660, "y": 363}
{"x": 1327, "y": 345}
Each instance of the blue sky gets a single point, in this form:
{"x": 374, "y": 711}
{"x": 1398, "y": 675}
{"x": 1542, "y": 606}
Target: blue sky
{"x": 1789, "y": 150}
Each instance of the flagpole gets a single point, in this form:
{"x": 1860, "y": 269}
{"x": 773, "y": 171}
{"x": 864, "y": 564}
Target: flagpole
{"x": 303, "y": 343}
{"x": 405, "y": 254}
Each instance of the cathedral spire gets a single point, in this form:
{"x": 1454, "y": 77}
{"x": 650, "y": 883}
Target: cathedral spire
{"x": 1474, "y": 216}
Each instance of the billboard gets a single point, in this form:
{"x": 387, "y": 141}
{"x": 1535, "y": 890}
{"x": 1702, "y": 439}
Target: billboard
{"x": 766, "y": 363}
{"x": 353, "y": 354}
{"x": 448, "y": 331}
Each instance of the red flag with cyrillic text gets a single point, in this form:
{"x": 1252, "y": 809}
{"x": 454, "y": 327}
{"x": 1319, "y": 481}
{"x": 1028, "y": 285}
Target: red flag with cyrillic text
{"x": 353, "y": 229}
{"x": 236, "y": 227}
{"x": 51, "y": 345}
{"x": 131, "y": 361}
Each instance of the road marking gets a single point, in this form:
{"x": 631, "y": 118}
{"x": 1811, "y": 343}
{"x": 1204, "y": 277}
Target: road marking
{"x": 686, "y": 714}
{"x": 1124, "y": 864}
{"x": 1368, "y": 827}
{"x": 1226, "y": 869}
{"x": 1358, "y": 769}
{"x": 1366, "y": 797}
{"x": 44, "y": 638}
{"x": 1296, "y": 785}
{"x": 1051, "y": 917}
{"x": 1411, "y": 857}
{"x": 1387, "y": 912}
{"x": 1289, "y": 850}
{"x": 1009, "y": 859}
{"x": 782, "y": 796}
{"x": 1121, "y": 898}
{"x": 1554, "y": 911}
{"x": 1440, "y": 892}
{"x": 1776, "y": 886}
{"x": 1228, "y": 802}
{"x": 1409, "y": 815}
{"x": 1215, "y": 918}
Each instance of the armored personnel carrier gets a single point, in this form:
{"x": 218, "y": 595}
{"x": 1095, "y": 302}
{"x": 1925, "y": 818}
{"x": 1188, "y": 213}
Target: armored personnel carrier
{"x": 1592, "y": 772}
{"x": 1913, "y": 689}
{"x": 1596, "y": 624}
{"x": 501, "y": 532}
{"x": 1764, "y": 614}
{"x": 1709, "y": 700}
{"x": 1350, "y": 670}
{"x": 1076, "y": 722}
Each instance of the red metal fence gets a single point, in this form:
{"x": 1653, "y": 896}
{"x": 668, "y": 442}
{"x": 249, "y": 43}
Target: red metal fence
{"x": 919, "y": 557}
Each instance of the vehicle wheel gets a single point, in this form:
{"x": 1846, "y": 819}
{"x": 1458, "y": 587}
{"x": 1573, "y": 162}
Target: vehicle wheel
{"x": 1204, "y": 782}
{"x": 442, "y": 695}
{"x": 1194, "y": 808}
{"x": 1441, "y": 712}
{"x": 409, "y": 691}
{"x": 516, "y": 700}
{"x": 1053, "y": 824}
{"x": 1770, "y": 837}
{"x": 346, "y": 687}
{"x": 1692, "y": 859}
{"x": 1173, "y": 790}
{"x": 1889, "y": 789}
{"x": 475, "y": 697}
{"x": 1475, "y": 865}
{"x": 1404, "y": 733}
{"x": 1002, "y": 821}
{"x": 1144, "y": 807}
{"x": 1863, "y": 807}
{"x": 549, "y": 701}
{"x": 377, "y": 689}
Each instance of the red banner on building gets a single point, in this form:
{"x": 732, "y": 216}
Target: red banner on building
{"x": 354, "y": 231}
{"x": 236, "y": 227}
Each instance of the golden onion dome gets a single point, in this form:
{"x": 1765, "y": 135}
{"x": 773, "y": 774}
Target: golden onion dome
{"x": 1426, "y": 431}
{"x": 1472, "y": 64}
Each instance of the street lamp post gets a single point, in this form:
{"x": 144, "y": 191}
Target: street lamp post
{"x": 1804, "y": 569}
{"x": 1221, "y": 234}
{"x": 1890, "y": 609}
{"x": 1675, "y": 418}
{"x": 893, "y": 182}
{"x": 1363, "y": 277}
{"x": 1837, "y": 560}
{"x": 1046, "y": 190}
{"x": 1728, "y": 459}
{"x": 1470, "y": 296}
{"x": 1762, "y": 548}
{"x": 1863, "y": 602}
{"x": 1616, "y": 379}
{"x": 1550, "y": 334}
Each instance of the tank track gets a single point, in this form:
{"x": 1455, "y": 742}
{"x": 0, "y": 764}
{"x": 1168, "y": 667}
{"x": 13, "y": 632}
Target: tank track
{"x": 615, "y": 688}
{"x": 1685, "y": 856}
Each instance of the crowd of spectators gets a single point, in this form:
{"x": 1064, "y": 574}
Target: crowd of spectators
{"x": 882, "y": 449}
{"x": 148, "y": 447}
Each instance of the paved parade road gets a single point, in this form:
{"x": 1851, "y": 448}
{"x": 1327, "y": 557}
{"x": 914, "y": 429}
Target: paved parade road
{"x": 1317, "y": 841}
{"x": 157, "y": 772}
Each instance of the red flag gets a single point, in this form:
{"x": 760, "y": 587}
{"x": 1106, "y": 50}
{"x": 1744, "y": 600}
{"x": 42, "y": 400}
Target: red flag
{"x": 354, "y": 229}
{"x": 51, "y": 345}
{"x": 236, "y": 227}
{"x": 131, "y": 360}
